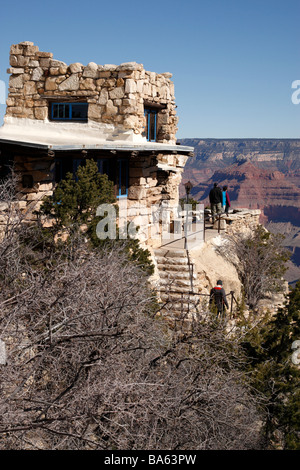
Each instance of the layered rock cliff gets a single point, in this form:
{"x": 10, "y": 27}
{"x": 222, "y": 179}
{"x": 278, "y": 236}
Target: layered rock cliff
{"x": 260, "y": 174}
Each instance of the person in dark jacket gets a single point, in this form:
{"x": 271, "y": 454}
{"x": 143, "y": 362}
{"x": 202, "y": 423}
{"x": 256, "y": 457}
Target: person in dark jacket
{"x": 218, "y": 298}
{"x": 215, "y": 199}
{"x": 226, "y": 200}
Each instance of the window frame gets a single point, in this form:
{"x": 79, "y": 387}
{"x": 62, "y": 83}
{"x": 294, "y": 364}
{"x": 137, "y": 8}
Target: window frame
{"x": 148, "y": 111}
{"x": 69, "y": 118}
{"x": 120, "y": 162}
{"x": 117, "y": 168}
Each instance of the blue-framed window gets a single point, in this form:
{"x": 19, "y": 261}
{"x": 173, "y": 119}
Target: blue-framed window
{"x": 69, "y": 112}
{"x": 151, "y": 124}
{"x": 122, "y": 178}
{"x": 117, "y": 171}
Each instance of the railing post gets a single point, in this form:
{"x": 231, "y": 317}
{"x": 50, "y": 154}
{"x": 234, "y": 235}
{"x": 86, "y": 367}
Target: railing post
{"x": 231, "y": 303}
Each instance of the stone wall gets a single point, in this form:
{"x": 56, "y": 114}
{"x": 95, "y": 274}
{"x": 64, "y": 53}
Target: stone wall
{"x": 151, "y": 187}
{"x": 241, "y": 220}
{"x": 116, "y": 94}
{"x": 117, "y": 97}
{"x": 42, "y": 171}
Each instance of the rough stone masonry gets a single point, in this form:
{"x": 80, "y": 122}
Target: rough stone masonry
{"x": 117, "y": 97}
{"x": 116, "y": 94}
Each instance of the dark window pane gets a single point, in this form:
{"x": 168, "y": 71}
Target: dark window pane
{"x": 62, "y": 167}
{"x": 107, "y": 167}
{"x": 77, "y": 162}
{"x": 66, "y": 113}
{"x": 150, "y": 128}
{"x": 55, "y": 111}
{"x": 27, "y": 181}
{"x": 79, "y": 111}
{"x": 122, "y": 180}
{"x": 61, "y": 111}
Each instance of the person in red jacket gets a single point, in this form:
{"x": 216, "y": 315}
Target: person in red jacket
{"x": 218, "y": 297}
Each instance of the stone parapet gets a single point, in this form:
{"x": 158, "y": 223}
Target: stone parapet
{"x": 116, "y": 94}
{"x": 242, "y": 220}
{"x": 238, "y": 220}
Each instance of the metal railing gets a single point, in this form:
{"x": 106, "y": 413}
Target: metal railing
{"x": 191, "y": 293}
{"x": 218, "y": 218}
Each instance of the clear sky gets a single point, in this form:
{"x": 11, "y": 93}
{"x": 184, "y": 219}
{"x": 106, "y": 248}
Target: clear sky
{"x": 233, "y": 61}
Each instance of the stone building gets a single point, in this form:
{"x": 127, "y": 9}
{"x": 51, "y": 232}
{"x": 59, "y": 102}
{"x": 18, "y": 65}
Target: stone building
{"x": 122, "y": 116}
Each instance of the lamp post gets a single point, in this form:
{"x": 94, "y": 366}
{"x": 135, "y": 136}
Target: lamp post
{"x": 188, "y": 187}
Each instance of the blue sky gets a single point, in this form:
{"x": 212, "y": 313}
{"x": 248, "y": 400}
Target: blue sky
{"x": 233, "y": 61}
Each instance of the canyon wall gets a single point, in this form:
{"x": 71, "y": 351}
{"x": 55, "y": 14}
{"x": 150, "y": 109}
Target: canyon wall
{"x": 260, "y": 174}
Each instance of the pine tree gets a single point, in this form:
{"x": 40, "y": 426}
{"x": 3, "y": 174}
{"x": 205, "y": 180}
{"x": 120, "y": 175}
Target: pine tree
{"x": 75, "y": 200}
{"x": 73, "y": 208}
{"x": 269, "y": 348}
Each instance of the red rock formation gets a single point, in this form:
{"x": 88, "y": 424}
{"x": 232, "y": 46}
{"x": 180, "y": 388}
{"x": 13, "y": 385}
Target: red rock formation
{"x": 260, "y": 174}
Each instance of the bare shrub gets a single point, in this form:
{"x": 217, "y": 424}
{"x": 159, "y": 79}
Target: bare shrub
{"x": 92, "y": 366}
{"x": 259, "y": 258}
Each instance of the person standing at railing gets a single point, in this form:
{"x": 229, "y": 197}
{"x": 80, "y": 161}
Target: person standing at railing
{"x": 215, "y": 199}
{"x": 218, "y": 298}
{"x": 225, "y": 200}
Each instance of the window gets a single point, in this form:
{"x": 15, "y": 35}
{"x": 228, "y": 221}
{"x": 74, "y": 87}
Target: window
{"x": 115, "y": 169}
{"x": 151, "y": 124}
{"x": 27, "y": 181}
{"x": 6, "y": 164}
{"x": 122, "y": 178}
{"x": 69, "y": 112}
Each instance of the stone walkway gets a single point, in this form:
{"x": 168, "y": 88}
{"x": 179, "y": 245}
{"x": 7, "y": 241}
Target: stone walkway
{"x": 188, "y": 267}
{"x": 194, "y": 239}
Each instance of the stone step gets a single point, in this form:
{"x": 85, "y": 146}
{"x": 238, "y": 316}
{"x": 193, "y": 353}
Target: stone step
{"x": 175, "y": 282}
{"x": 166, "y": 287}
{"x": 165, "y": 253}
{"x": 174, "y": 267}
{"x": 185, "y": 303}
{"x": 179, "y": 314}
{"x": 177, "y": 275}
{"x": 173, "y": 261}
{"x": 185, "y": 296}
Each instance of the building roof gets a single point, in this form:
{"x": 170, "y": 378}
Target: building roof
{"x": 66, "y": 136}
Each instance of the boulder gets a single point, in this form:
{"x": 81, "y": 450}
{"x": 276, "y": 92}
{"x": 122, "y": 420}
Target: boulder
{"x": 70, "y": 84}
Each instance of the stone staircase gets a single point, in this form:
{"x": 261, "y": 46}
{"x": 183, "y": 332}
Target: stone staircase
{"x": 178, "y": 283}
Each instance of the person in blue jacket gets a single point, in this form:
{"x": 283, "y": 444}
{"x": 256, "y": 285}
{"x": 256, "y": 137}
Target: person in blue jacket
{"x": 225, "y": 200}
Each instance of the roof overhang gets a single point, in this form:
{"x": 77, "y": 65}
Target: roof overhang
{"x": 108, "y": 146}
